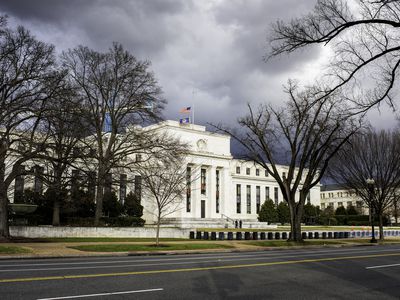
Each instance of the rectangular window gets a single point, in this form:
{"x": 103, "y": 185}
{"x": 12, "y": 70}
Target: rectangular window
{"x": 138, "y": 188}
{"x": 267, "y": 197}
{"x": 276, "y": 195}
{"x": 203, "y": 181}
{"x": 257, "y": 172}
{"x": 340, "y": 204}
{"x": 283, "y": 174}
{"x": 323, "y": 205}
{"x": 237, "y": 170}
{"x": 217, "y": 191}
{"x": 122, "y": 188}
{"x": 258, "y": 199}
{"x": 349, "y": 203}
{"x": 266, "y": 173}
{"x": 248, "y": 198}
{"x": 238, "y": 199}
{"x": 138, "y": 157}
{"x": 188, "y": 188}
{"x": 247, "y": 171}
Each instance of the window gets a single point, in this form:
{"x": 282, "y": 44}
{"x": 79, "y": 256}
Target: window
{"x": 248, "y": 198}
{"x": 237, "y": 170}
{"x": 308, "y": 198}
{"x": 203, "y": 181}
{"x": 238, "y": 199}
{"x": 266, "y": 173}
{"x": 19, "y": 185}
{"x": 138, "y": 157}
{"x": 283, "y": 174}
{"x": 276, "y": 196}
{"x": 340, "y": 204}
{"x": 267, "y": 193}
{"x": 188, "y": 188}
{"x": 257, "y": 172}
{"x": 138, "y": 188}
{"x": 38, "y": 182}
{"x": 257, "y": 199}
{"x": 349, "y": 204}
{"x": 247, "y": 171}
{"x": 217, "y": 191}
{"x": 122, "y": 188}
{"x": 323, "y": 205}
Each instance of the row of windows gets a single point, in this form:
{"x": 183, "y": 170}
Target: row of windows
{"x": 258, "y": 197}
{"x": 248, "y": 171}
{"x": 338, "y": 195}
{"x": 358, "y": 204}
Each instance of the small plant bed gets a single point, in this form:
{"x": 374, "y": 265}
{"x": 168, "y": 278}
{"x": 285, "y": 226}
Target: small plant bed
{"x": 283, "y": 243}
{"x": 149, "y": 247}
{"x": 106, "y": 240}
{"x": 14, "y": 250}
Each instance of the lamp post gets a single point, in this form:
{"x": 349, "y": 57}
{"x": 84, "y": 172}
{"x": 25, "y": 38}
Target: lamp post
{"x": 370, "y": 183}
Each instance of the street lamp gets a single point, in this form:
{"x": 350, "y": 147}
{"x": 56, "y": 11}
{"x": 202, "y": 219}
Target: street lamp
{"x": 370, "y": 183}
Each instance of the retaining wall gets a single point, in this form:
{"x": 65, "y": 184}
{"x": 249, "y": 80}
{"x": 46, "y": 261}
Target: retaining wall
{"x": 128, "y": 232}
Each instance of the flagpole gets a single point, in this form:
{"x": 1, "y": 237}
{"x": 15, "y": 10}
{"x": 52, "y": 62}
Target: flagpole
{"x": 193, "y": 114}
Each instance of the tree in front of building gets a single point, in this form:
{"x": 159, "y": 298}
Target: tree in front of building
{"x": 164, "y": 184}
{"x": 132, "y": 205}
{"x": 283, "y": 213}
{"x": 311, "y": 214}
{"x": 27, "y": 81}
{"x": 268, "y": 212}
{"x": 118, "y": 93}
{"x": 304, "y": 134}
{"x": 370, "y": 166}
{"x": 351, "y": 211}
{"x": 340, "y": 211}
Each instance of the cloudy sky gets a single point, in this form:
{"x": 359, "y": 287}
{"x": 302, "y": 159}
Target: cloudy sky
{"x": 206, "y": 53}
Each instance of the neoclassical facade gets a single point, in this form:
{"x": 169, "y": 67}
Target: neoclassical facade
{"x": 220, "y": 186}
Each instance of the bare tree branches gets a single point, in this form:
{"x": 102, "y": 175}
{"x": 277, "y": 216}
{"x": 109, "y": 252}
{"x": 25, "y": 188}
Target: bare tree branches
{"x": 365, "y": 42}
{"x": 372, "y": 155}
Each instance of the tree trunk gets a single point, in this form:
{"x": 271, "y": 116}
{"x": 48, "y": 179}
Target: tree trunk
{"x": 381, "y": 236}
{"x": 295, "y": 223}
{"x": 99, "y": 196}
{"x": 158, "y": 231}
{"x": 56, "y": 210}
{"x": 4, "y": 229}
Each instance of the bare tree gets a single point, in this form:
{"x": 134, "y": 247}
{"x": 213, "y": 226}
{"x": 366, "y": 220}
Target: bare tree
{"x": 372, "y": 155}
{"x": 116, "y": 91}
{"x": 365, "y": 39}
{"x": 304, "y": 134}
{"x": 27, "y": 79}
{"x": 63, "y": 128}
{"x": 165, "y": 182}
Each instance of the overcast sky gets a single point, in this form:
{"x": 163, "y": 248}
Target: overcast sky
{"x": 206, "y": 53}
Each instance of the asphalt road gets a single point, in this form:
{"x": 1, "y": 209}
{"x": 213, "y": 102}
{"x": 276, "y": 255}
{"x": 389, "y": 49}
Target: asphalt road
{"x": 327, "y": 273}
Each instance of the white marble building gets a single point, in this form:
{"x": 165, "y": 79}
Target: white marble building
{"x": 222, "y": 186}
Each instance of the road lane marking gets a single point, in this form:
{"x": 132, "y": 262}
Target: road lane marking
{"x": 262, "y": 255}
{"x": 288, "y": 262}
{"x": 103, "y": 294}
{"x": 383, "y": 266}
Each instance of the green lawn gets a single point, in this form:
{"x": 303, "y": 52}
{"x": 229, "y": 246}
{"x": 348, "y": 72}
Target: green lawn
{"x": 105, "y": 239}
{"x": 13, "y": 250}
{"x": 284, "y": 243}
{"x": 133, "y": 247}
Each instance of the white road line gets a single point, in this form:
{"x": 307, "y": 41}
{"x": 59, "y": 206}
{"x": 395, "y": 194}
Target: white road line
{"x": 103, "y": 294}
{"x": 383, "y": 266}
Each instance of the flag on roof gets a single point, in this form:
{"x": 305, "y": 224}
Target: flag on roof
{"x": 184, "y": 120}
{"x": 185, "y": 110}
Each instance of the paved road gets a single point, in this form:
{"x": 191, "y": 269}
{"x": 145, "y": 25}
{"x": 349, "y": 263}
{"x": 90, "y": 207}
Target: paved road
{"x": 346, "y": 273}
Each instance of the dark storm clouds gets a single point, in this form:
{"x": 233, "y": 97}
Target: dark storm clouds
{"x": 206, "y": 53}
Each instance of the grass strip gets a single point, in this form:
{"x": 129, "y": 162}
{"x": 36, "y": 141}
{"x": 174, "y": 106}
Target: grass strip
{"x": 284, "y": 243}
{"x": 14, "y": 250}
{"x": 150, "y": 247}
{"x": 105, "y": 240}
